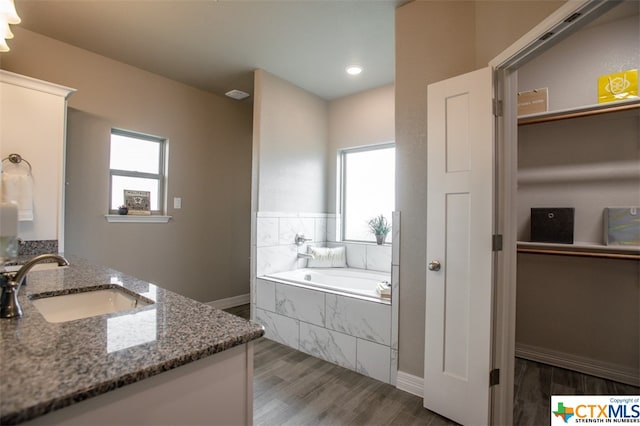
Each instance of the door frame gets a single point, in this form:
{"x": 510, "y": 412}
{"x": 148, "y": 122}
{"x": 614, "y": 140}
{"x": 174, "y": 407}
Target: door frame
{"x": 505, "y": 82}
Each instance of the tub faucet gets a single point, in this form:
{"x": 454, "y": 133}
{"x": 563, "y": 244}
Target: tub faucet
{"x": 10, "y": 285}
{"x": 300, "y": 239}
{"x": 305, "y": 256}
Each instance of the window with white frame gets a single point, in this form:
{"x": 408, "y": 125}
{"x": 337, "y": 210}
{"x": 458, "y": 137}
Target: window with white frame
{"x": 367, "y": 189}
{"x": 137, "y": 162}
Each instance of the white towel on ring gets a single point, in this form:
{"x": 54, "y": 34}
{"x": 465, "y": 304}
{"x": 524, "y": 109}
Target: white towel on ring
{"x": 19, "y": 189}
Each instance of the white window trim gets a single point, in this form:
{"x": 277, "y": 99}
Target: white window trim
{"x": 162, "y": 176}
{"x": 117, "y": 218}
{"x": 341, "y": 195}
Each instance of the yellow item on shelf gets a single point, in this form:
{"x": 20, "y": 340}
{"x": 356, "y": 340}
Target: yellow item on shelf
{"x": 618, "y": 86}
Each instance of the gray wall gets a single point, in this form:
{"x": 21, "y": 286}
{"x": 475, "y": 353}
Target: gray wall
{"x": 365, "y": 118}
{"x": 203, "y": 252}
{"x": 436, "y": 40}
{"x": 290, "y": 136}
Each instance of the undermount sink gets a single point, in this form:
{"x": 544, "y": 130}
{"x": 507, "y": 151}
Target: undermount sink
{"x": 87, "y": 303}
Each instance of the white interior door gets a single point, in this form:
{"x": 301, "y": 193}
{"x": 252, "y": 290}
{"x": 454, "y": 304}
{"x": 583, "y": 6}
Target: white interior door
{"x": 459, "y": 248}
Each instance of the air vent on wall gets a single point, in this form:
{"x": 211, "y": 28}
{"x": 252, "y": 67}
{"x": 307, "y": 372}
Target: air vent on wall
{"x": 237, "y": 94}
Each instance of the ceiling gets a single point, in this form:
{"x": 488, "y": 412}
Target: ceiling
{"x": 216, "y": 45}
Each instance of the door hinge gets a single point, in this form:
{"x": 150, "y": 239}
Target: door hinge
{"x": 497, "y": 108}
{"x": 494, "y": 377}
{"x": 496, "y": 242}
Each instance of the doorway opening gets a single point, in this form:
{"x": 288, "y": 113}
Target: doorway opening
{"x": 548, "y": 160}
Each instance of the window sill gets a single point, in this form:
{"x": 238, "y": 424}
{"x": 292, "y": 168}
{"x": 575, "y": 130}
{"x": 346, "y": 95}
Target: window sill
{"x": 117, "y": 218}
{"x": 365, "y": 243}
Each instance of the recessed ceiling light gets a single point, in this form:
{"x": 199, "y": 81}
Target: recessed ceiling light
{"x": 354, "y": 69}
{"x": 237, "y": 94}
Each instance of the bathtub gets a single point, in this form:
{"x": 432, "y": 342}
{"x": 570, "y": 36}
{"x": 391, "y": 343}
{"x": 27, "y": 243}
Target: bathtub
{"x": 349, "y": 281}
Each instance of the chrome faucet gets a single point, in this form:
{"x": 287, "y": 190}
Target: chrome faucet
{"x": 10, "y": 285}
{"x": 300, "y": 239}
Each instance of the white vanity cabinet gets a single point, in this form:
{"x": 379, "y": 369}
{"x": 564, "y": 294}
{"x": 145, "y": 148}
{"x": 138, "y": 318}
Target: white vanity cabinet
{"x": 32, "y": 125}
{"x": 216, "y": 390}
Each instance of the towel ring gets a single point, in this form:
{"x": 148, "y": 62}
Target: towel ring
{"x": 17, "y": 159}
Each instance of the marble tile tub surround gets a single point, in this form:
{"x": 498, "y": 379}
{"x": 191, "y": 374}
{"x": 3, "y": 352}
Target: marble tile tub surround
{"x": 347, "y": 331}
{"x": 48, "y": 366}
{"x": 366, "y": 256}
{"x": 276, "y": 251}
{"x": 275, "y": 236}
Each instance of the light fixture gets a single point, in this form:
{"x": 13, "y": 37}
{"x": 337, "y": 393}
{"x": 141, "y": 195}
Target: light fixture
{"x": 354, "y": 69}
{"x": 8, "y": 16}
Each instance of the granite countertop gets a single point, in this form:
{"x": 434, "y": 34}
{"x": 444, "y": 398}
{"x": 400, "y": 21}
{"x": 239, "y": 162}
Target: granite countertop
{"x": 48, "y": 366}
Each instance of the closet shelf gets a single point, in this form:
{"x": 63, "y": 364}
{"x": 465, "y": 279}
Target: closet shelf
{"x": 580, "y": 250}
{"x": 585, "y": 111}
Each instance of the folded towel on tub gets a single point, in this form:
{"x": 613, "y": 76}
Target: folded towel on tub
{"x": 383, "y": 289}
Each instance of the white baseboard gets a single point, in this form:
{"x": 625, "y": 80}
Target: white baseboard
{"x": 615, "y": 372}
{"x": 230, "y": 302}
{"x": 410, "y": 383}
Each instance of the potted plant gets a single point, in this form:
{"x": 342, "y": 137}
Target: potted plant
{"x": 379, "y": 226}
{"x": 123, "y": 210}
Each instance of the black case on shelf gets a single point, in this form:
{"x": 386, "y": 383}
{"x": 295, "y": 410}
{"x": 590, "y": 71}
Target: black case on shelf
{"x": 552, "y": 224}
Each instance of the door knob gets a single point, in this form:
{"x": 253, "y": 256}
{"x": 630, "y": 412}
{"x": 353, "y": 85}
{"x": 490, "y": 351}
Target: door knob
{"x": 434, "y": 265}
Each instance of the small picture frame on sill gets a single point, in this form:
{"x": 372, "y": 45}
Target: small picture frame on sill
{"x": 138, "y": 202}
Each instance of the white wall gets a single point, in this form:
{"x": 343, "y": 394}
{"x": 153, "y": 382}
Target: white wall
{"x": 571, "y": 68}
{"x": 365, "y": 118}
{"x": 290, "y": 135}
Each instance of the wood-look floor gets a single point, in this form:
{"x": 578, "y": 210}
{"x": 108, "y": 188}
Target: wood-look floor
{"x": 293, "y": 388}
{"x": 536, "y": 382}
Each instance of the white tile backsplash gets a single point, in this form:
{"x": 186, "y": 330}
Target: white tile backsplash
{"x": 366, "y": 256}
{"x": 267, "y": 231}
{"x": 266, "y": 295}
{"x": 275, "y": 259}
{"x": 328, "y": 345}
{"x": 290, "y": 226}
{"x": 395, "y": 231}
{"x": 394, "y": 367}
{"x": 395, "y": 294}
{"x": 332, "y": 223}
{"x": 373, "y": 360}
{"x": 370, "y": 321}
{"x": 300, "y": 303}
{"x": 378, "y": 258}
{"x": 279, "y": 328}
{"x": 320, "y": 234}
{"x": 356, "y": 255}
